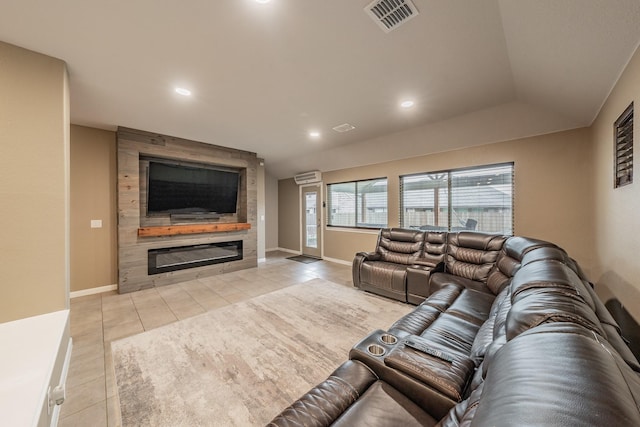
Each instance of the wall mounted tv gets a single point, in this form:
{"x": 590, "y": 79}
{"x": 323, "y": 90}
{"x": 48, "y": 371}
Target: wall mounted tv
{"x": 180, "y": 189}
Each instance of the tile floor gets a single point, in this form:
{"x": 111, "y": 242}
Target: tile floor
{"x": 96, "y": 320}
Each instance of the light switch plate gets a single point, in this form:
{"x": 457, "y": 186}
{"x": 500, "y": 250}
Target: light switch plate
{"x": 96, "y": 223}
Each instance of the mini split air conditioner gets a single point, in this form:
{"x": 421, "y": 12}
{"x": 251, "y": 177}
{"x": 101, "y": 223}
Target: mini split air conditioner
{"x": 308, "y": 177}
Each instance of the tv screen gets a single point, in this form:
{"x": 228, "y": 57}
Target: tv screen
{"x": 176, "y": 189}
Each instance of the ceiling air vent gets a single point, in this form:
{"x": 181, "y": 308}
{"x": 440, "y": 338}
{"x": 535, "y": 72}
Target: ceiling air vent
{"x": 390, "y": 14}
{"x": 345, "y": 127}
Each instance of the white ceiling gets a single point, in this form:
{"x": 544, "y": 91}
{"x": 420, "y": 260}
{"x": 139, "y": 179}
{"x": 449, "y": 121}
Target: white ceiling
{"x": 263, "y": 75}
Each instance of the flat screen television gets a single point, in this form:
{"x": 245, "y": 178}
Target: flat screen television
{"x": 179, "y": 189}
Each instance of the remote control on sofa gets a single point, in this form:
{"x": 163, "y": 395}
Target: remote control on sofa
{"x": 428, "y": 350}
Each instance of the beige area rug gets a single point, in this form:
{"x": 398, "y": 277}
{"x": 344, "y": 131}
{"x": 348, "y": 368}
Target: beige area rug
{"x": 240, "y": 365}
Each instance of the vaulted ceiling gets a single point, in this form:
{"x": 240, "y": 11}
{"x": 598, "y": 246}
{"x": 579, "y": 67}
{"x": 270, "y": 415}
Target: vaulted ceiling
{"x": 263, "y": 76}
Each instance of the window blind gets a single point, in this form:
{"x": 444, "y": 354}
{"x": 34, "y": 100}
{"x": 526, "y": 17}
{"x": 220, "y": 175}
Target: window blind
{"x": 623, "y": 137}
{"x": 474, "y": 199}
{"x": 424, "y": 201}
{"x": 358, "y": 204}
{"x": 482, "y": 199}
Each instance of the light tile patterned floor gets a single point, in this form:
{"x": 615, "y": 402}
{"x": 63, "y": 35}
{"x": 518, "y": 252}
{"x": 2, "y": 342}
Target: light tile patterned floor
{"x": 96, "y": 320}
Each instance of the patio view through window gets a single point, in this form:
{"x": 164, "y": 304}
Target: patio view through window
{"x": 476, "y": 199}
{"x": 361, "y": 204}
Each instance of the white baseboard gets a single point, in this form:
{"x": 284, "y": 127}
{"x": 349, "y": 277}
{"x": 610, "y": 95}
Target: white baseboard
{"x": 337, "y": 261}
{"x": 291, "y": 251}
{"x": 99, "y": 290}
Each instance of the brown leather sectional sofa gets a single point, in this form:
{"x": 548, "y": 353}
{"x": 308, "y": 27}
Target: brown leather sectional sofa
{"x": 509, "y": 333}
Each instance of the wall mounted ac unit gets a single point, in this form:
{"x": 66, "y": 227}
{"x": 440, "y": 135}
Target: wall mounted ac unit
{"x": 308, "y": 177}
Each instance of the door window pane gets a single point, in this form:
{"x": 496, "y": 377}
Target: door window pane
{"x": 311, "y": 235}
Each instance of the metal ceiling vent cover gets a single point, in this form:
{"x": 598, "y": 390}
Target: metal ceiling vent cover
{"x": 345, "y": 127}
{"x": 390, "y": 14}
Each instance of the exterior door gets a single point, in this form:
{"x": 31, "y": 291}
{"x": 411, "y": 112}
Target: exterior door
{"x": 311, "y": 220}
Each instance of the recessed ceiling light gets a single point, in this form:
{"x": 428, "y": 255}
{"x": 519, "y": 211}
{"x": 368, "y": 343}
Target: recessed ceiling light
{"x": 407, "y": 104}
{"x": 262, "y": 1}
{"x": 314, "y": 134}
{"x": 182, "y": 91}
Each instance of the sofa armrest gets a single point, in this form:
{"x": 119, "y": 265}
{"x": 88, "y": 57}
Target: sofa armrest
{"x": 448, "y": 373}
{"x": 324, "y": 403}
{"x": 369, "y": 256}
{"x": 358, "y": 259}
{"x": 418, "y": 274}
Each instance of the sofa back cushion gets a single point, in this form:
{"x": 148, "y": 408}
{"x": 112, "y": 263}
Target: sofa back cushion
{"x": 485, "y": 335}
{"x": 555, "y": 375}
{"x": 549, "y": 291}
{"x": 509, "y": 260}
{"x": 472, "y": 255}
{"x": 400, "y": 246}
{"x": 435, "y": 248}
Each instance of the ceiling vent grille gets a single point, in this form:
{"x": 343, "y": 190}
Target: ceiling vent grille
{"x": 345, "y": 127}
{"x": 390, "y": 14}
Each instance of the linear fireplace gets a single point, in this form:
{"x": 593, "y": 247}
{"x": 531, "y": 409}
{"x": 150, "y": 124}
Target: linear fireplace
{"x": 183, "y": 257}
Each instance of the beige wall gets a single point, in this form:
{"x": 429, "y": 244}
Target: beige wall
{"x": 552, "y": 192}
{"x": 260, "y": 221}
{"x": 34, "y": 147}
{"x": 93, "y": 197}
{"x": 288, "y": 215}
{"x": 271, "y": 212}
{"x": 617, "y": 212}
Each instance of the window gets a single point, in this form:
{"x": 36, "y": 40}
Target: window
{"x": 623, "y": 137}
{"x": 479, "y": 199}
{"x": 360, "y": 204}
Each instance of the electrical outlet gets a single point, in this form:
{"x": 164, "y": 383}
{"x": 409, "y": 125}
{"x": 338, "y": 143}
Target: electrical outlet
{"x": 96, "y": 223}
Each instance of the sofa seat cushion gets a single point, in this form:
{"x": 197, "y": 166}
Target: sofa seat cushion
{"x": 451, "y": 334}
{"x": 443, "y": 297}
{"x": 440, "y": 280}
{"x": 472, "y": 305}
{"x": 450, "y": 317}
{"x": 416, "y": 322}
{"x": 382, "y": 405}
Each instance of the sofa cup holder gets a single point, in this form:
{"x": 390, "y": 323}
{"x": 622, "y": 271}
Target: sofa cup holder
{"x": 376, "y": 350}
{"x": 388, "y": 339}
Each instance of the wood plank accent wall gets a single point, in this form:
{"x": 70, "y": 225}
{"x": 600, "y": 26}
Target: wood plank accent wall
{"x": 135, "y": 148}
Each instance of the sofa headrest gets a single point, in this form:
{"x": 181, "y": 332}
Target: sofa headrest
{"x": 435, "y": 237}
{"x": 546, "y": 253}
{"x": 400, "y": 246}
{"x": 402, "y": 235}
{"x": 481, "y": 241}
{"x": 517, "y": 247}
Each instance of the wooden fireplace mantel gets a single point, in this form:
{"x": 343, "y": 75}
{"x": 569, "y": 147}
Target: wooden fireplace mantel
{"x": 174, "y": 230}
